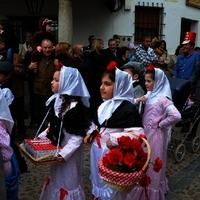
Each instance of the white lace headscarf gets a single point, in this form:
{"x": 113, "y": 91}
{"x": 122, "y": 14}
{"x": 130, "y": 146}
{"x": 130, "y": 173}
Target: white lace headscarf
{"x": 123, "y": 90}
{"x": 70, "y": 83}
{"x": 5, "y": 112}
{"x": 161, "y": 87}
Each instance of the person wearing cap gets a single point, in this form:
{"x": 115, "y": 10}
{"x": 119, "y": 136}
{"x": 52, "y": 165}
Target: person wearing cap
{"x": 136, "y": 70}
{"x": 144, "y": 53}
{"x": 187, "y": 61}
{"x": 131, "y": 47}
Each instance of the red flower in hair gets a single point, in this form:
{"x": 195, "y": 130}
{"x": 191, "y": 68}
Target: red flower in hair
{"x": 59, "y": 66}
{"x": 150, "y": 67}
{"x": 112, "y": 66}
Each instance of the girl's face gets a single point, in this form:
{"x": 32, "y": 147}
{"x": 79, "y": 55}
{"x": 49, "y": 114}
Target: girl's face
{"x": 107, "y": 87}
{"x": 149, "y": 82}
{"x": 55, "y": 82}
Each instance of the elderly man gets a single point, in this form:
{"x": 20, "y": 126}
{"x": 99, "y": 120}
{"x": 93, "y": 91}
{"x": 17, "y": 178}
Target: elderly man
{"x": 42, "y": 72}
{"x": 112, "y": 51}
{"x": 144, "y": 54}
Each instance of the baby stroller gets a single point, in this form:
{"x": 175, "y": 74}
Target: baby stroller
{"x": 190, "y": 114}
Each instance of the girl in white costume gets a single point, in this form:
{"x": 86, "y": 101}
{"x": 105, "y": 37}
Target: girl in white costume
{"x": 67, "y": 115}
{"x": 115, "y": 114}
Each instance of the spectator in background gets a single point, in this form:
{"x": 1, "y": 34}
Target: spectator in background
{"x": 122, "y": 56}
{"x": 187, "y": 61}
{"x": 99, "y": 63}
{"x": 42, "y": 72}
{"x": 173, "y": 60}
{"x": 112, "y": 51}
{"x": 83, "y": 57}
{"x": 144, "y": 54}
{"x": 197, "y": 49}
{"x": 12, "y": 43}
{"x": 117, "y": 39}
{"x": 89, "y": 46}
{"x": 186, "y": 64}
{"x": 28, "y": 44}
{"x": 131, "y": 47}
{"x": 17, "y": 88}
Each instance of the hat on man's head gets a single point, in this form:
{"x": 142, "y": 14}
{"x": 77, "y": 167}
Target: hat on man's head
{"x": 6, "y": 67}
{"x": 189, "y": 37}
{"x": 131, "y": 45}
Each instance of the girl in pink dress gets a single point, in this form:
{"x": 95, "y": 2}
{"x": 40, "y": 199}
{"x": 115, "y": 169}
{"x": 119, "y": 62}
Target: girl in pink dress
{"x": 159, "y": 115}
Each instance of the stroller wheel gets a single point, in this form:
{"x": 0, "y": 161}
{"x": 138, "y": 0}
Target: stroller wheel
{"x": 179, "y": 152}
{"x": 195, "y": 144}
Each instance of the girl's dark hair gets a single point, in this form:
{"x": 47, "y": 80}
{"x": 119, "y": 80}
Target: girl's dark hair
{"x": 66, "y": 102}
{"x": 163, "y": 41}
{"x": 177, "y": 49}
{"x": 151, "y": 73}
{"x": 111, "y": 75}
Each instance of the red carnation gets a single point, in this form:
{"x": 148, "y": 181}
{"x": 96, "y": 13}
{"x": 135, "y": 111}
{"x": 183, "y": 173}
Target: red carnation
{"x": 150, "y": 67}
{"x": 146, "y": 181}
{"x": 114, "y": 157}
{"x": 129, "y": 160}
{"x": 157, "y": 165}
{"x": 112, "y": 66}
{"x": 59, "y": 66}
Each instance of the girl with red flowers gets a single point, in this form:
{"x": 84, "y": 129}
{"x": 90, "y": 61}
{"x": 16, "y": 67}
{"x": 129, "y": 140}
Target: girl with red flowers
{"x": 159, "y": 115}
{"x": 115, "y": 114}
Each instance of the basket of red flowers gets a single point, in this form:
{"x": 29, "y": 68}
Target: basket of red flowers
{"x": 125, "y": 165}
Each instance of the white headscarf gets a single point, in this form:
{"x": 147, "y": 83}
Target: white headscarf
{"x": 70, "y": 83}
{"x": 161, "y": 87}
{"x": 123, "y": 90}
{"x": 5, "y": 112}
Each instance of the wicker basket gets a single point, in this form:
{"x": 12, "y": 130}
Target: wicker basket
{"x": 124, "y": 182}
{"x": 45, "y": 160}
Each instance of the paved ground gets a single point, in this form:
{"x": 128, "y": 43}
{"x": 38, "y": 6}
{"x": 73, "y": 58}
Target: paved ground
{"x": 184, "y": 177}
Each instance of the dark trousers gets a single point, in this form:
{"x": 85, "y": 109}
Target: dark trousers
{"x": 32, "y": 102}
{"x": 40, "y": 108}
{"x": 17, "y": 110}
{"x": 2, "y": 180}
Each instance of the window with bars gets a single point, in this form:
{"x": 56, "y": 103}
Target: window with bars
{"x": 148, "y": 22}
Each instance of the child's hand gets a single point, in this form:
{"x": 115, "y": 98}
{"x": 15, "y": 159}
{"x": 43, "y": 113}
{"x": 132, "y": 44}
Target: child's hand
{"x": 142, "y": 99}
{"x": 109, "y": 144}
{"x": 59, "y": 158}
{"x": 87, "y": 139}
{"x": 39, "y": 48}
{"x": 1, "y": 31}
{"x": 33, "y": 66}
